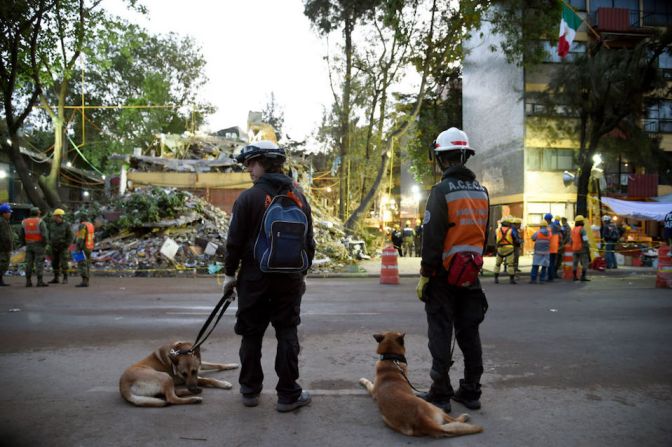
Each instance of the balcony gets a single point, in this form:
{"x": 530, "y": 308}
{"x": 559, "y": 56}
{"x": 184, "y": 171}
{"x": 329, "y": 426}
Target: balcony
{"x": 632, "y": 185}
{"x": 621, "y": 20}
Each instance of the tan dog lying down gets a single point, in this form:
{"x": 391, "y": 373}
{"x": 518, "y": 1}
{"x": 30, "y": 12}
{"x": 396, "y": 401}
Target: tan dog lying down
{"x": 402, "y": 410}
{"x": 170, "y": 365}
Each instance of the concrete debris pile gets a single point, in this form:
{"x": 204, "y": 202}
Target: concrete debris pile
{"x": 157, "y": 231}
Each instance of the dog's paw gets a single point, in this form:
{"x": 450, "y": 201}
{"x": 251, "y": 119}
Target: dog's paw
{"x": 223, "y": 384}
{"x": 464, "y": 417}
{"x": 197, "y": 400}
{"x": 226, "y": 366}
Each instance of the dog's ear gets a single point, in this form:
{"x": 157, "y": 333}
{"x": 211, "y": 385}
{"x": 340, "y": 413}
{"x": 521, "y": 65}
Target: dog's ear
{"x": 378, "y": 337}
{"x": 400, "y": 338}
{"x": 172, "y": 354}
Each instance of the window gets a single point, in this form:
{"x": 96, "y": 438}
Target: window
{"x": 551, "y": 50}
{"x": 658, "y": 116}
{"x": 665, "y": 65}
{"x": 538, "y": 159}
{"x": 626, "y": 4}
{"x": 579, "y": 5}
{"x": 657, "y": 13}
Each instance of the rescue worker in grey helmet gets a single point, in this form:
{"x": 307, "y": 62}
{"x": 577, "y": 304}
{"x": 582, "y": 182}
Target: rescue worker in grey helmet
{"x": 266, "y": 297}
{"x": 454, "y": 238}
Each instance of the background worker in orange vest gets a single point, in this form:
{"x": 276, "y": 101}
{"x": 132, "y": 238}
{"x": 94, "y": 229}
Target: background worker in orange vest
{"x": 541, "y": 258}
{"x": 453, "y": 240}
{"x": 84, "y": 243}
{"x": 35, "y": 236}
{"x": 556, "y": 234}
{"x": 581, "y": 248}
{"x": 505, "y": 249}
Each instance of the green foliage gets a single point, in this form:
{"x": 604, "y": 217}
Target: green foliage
{"x": 149, "y": 206}
{"x": 525, "y": 24}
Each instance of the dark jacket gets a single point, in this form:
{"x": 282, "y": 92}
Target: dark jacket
{"x": 6, "y": 236}
{"x": 60, "y": 234}
{"x": 436, "y": 224}
{"x": 248, "y": 211}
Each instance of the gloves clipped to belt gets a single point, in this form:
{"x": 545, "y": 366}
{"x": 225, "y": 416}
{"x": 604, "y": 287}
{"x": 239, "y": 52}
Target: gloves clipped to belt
{"x": 420, "y": 290}
{"x": 229, "y": 284}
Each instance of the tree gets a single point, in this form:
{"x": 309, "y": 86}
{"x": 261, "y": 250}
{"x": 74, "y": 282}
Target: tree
{"x": 601, "y": 92}
{"x": 274, "y": 115}
{"x": 20, "y": 28}
{"x": 147, "y": 85}
{"x": 327, "y": 16}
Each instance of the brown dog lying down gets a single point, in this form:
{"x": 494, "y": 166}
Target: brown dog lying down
{"x": 402, "y": 410}
{"x": 170, "y": 365}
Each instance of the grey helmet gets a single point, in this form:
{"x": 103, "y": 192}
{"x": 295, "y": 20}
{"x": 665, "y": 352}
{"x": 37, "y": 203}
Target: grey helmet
{"x": 264, "y": 148}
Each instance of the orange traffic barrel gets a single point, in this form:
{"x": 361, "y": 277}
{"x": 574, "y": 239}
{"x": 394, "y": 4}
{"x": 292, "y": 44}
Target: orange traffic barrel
{"x": 567, "y": 263}
{"x": 664, "y": 274}
{"x": 389, "y": 269}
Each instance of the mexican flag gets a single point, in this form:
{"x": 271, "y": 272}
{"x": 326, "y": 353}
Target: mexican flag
{"x": 568, "y": 25}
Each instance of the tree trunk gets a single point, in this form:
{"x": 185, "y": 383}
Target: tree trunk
{"x": 28, "y": 181}
{"x": 356, "y": 216}
{"x": 345, "y": 116}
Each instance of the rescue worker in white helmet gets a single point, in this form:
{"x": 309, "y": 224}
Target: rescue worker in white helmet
{"x": 454, "y": 238}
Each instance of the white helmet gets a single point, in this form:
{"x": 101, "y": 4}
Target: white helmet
{"x": 452, "y": 139}
{"x": 606, "y": 218}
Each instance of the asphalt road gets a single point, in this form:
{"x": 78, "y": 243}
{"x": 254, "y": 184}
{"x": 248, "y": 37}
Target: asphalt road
{"x": 566, "y": 365}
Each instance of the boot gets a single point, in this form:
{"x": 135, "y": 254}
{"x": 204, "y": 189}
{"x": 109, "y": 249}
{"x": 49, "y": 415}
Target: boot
{"x": 574, "y": 273}
{"x": 443, "y": 402}
{"x": 468, "y": 395}
{"x": 84, "y": 283}
{"x": 55, "y": 280}
{"x": 496, "y": 278}
{"x": 65, "y": 278}
{"x": 512, "y": 280}
{"x": 3, "y": 283}
{"x": 41, "y": 283}
{"x": 29, "y": 282}
{"x": 583, "y": 276}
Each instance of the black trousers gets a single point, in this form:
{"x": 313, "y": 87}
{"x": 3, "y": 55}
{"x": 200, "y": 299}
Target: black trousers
{"x": 463, "y": 309}
{"x": 270, "y": 299}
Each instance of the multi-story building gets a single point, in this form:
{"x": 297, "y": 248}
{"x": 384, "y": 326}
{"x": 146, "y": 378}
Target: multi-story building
{"x": 522, "y": 169}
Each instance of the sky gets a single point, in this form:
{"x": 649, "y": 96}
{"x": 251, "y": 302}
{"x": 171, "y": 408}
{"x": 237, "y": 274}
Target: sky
{"x": 252, "y": 48}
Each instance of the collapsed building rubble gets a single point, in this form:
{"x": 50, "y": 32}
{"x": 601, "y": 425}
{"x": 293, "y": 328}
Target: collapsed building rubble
{"x": 159, "y": 231}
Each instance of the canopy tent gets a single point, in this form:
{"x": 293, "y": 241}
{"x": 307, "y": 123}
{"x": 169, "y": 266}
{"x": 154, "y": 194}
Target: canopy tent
{"x": 638, "y": 210}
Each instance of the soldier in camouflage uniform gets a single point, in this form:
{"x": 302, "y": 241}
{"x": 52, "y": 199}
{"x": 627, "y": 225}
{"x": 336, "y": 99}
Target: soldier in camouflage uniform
{"x": 35, "y": 236}
{"x": 6, "y": 240}
{"x": 84, "y": 242}
{"x": 60, "y": 235}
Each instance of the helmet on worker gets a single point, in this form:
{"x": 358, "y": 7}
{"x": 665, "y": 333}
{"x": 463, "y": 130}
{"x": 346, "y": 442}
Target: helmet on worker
{"x": 548, "y": 217}
{"x": 606, "y": 218}
{"x": 59, "y": 212}
{"x": 262, "y": 149}
{"x": 578, "y": 219}
{"x": 452, "y": 147}
{"x": 543, "y": 223}
{"x": 5, "y": 208}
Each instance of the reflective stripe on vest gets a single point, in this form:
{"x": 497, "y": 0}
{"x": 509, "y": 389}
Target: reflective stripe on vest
{"x": 577, "y": 240}
{"x": 31, "y": 229}
{"x": 542, "y": 244}
{"x": 87, "y": 233}
{"x": 468, "y": 211}
{"x": 504, "y": 237}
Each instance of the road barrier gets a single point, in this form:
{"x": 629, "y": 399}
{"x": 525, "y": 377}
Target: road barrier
{"x": 567, "y": 263}
{"x": 389, "y": 269}
{"x": 664, "y": 274}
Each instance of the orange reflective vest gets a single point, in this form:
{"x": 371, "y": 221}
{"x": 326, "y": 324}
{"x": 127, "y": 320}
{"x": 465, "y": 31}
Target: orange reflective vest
{"x": 87, "y": 234}
{"x": 577, "y": 239}
{"x": 468, "y": 214}
{"x": 31, "y": 229}
{"x": 555, "y": 242}
{"x": 542, "y": 243}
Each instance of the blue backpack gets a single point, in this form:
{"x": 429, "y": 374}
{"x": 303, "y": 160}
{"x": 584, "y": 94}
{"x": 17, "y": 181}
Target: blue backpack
{"x": 281, "y": 243}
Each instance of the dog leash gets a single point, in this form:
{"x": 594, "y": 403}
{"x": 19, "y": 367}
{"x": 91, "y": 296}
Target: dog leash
{"x": 221, "y": 307}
